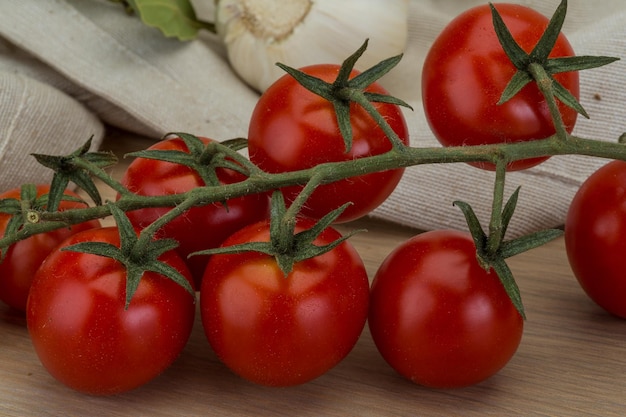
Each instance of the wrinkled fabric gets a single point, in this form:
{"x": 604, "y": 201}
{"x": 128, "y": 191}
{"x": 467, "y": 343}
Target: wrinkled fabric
{"x": 70, "y": 67}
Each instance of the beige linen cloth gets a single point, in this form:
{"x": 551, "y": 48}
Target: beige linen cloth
{"x": 70, "y": 67}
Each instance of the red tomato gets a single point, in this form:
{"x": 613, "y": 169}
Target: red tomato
{"x": 280, "y": 331}
{"x": 200, "y": 227}
{"x": 595, "y": 227}
{"x": 83, "y": 335}
{"x": 437, "y": 317}
{"x": 466, "y": 71}
{"x": 292, "y": 129}
{"x": 23, "y": 258}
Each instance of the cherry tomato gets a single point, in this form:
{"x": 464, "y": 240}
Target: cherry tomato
{"x": 24, "y": 257}
{"x": 81, "y": 331}
{"x": 280, "y": 331}
{"x": 200, "y": 227}
{"x": 292, "y": 129}
{"x": 437, "y": 317}
{"x": 595, "y": 227}
{"x": 466, "y": 71}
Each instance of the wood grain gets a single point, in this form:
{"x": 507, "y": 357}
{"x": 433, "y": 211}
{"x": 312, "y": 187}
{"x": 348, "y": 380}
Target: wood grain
{"x": 571, "y": 362}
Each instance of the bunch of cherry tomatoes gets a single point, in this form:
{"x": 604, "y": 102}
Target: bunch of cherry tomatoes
{"x": 435, "y": 314}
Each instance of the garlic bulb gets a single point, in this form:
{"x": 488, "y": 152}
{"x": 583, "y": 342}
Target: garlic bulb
{"x": 259, "y": 33}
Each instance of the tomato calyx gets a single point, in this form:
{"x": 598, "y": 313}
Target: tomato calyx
{"x": 26, "y": 211}
{"x": 492, "y": 255}
{"x": 286, "y": 246}
{"x": 344, "y": 91}
{"x": 537, "y": 66}
{"x": 138, "y": 254}
{"x": 203, "y": 158}
{"x": 77, "y": 167}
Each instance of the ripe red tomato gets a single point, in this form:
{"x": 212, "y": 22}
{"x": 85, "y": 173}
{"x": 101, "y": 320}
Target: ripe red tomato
{"x": 281, "y": 331}
{"x": 595, "y": 227}
{"x": 23, "y": 258}
{"x": 466, "y": 71}
{"x": 83, "y": 335}
{"x": 200, "y": 227}
{"x": 292, "y": 128}
{"x": 437, "y": 317}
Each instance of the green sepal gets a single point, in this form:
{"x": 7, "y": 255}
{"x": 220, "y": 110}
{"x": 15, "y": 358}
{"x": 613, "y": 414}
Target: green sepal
{"x": 548, "y": 39}
{"x": 476, "y": 231}
{"x": 343, "y": 78}
{"x": 68, "y": 168}
{"x": 516, "y": 54}
{"x": 13, "y": 226}
{"x": 528, "y": 242}
{"x": 10, "y": 206}
{"x": 577, "y": 63}
{"x": 509, "y": 210}
{"x": 136, "y": 254}
{"x": 510, "y": 286}
{"x": 519, "y": 80}
{"x": 567, "y": 98}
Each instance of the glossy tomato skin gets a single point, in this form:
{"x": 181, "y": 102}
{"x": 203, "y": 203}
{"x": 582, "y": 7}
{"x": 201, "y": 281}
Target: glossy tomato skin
{"x": 282, "y": 331}
{"x": 200, "y": 227}
{"x": 437, "y": 317}
{"x": 22, "y": 260}
{"x": 292, "y": 128}
{"x": 595, "y": 230}
{"x": 83, "y": 335}
{"x": 466, "y": 71}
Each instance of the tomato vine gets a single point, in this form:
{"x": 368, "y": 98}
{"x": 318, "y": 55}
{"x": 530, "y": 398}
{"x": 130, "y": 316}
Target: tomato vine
{"x": 492, "y": 248}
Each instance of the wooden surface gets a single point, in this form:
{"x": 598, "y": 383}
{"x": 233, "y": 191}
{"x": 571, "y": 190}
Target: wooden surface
{"x": 571, "y": 362}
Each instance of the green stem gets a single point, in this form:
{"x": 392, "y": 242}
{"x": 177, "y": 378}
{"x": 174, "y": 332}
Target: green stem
{"x": 334, "y": 171}
{"x": 544, "y": 83}
{"x": 150, "y": 231}
{"x": 495, "y": 225}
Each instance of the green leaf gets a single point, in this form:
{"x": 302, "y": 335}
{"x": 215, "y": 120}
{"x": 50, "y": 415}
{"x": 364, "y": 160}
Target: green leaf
{"x": 174, "y": 18}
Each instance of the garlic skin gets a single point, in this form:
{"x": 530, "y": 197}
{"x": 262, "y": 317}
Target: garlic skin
{"x": 259, "y": 33}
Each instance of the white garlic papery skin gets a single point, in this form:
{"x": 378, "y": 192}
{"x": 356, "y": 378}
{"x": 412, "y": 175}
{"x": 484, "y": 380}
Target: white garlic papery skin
{"x": 260, "y": 33}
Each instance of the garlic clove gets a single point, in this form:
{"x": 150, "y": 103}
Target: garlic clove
{"x": 259, "y": 33}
